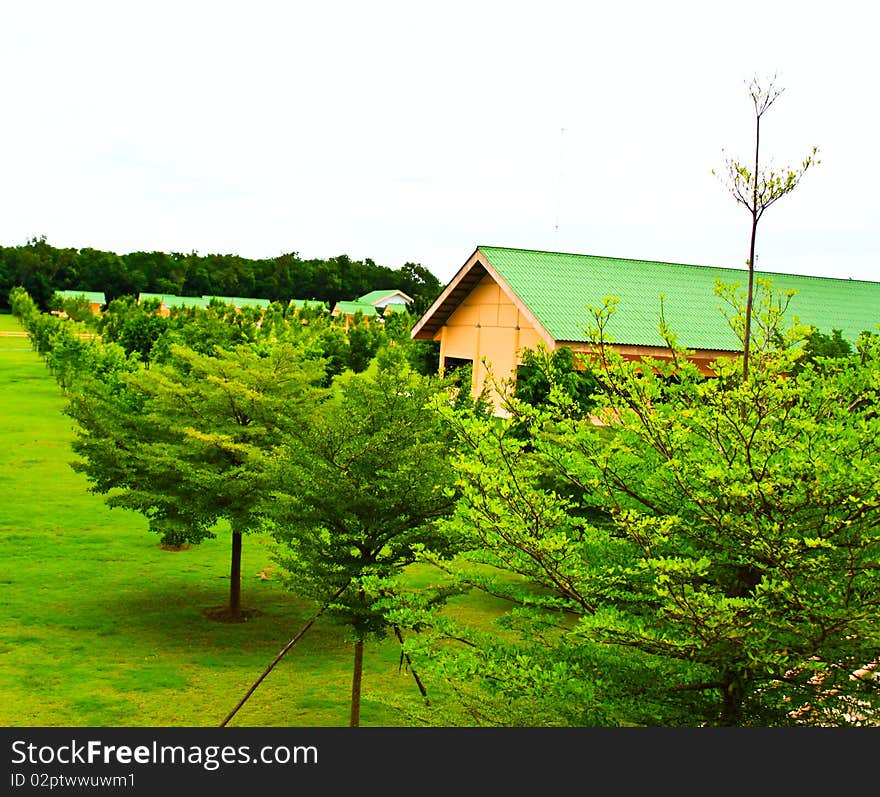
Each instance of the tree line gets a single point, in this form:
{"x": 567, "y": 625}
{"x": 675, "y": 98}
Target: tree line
{"x": 662, "y": 548}
{"x": 42, "y": 269}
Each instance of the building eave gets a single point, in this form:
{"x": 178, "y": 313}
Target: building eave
{"x": 475, "y": 268}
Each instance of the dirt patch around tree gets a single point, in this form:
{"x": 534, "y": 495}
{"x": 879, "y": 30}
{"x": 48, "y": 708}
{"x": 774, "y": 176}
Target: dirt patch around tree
{"x": 221, "y": 614}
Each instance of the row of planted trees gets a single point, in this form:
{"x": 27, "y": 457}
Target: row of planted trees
{"x": 218, "y": 419}
{"x": 708, "y": 554}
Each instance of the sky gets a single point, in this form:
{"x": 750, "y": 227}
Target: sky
{"x": 415, "y": 132}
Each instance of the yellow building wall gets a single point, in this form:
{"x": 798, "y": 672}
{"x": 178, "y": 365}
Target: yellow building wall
{"x": 488, "y": 328}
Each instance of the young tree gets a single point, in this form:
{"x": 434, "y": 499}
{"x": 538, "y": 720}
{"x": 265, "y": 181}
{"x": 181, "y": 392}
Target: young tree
{"x": 363, "y": 483}
{"x": 140, "y": 332}
{"x": 757, "y": 188}
{"x": 711, "y": 557}
{"x": 187, "y": 442}
{"x": 23, "y": 307}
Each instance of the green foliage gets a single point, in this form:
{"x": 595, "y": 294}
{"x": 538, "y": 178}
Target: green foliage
{"x": 424, "y": 356}
{"x": 187, "y": 442}
{"x": 461, "y": 379}
{"x": 543, "y": 374}
{"x": 102, "y": 627}
{"x": 712, "y": 560}
{"x": 364, "y": 480}
{"x": 140, "y": 332}
{"x": 363, "y": 343}
{"x": 819, "y": 346}
{"x": 69, "y": 355}
{"x": 41, "y": 269}
{"x": 32, "y": 268}
{"x": 363, "y": 483}
{"x": 23, "y": 306}
{"x": 68, "y": 347}
{"x": 757, "y": 188}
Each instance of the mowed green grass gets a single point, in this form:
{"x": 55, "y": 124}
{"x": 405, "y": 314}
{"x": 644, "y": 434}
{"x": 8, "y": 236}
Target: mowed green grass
{"x": 101, "y": 627}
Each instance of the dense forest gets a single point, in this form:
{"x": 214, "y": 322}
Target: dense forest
{"x": 42, "y": 269}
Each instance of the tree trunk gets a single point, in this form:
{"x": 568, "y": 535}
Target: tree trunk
{"x": 733, "y": 692}
{"x": 415, "y": 675}
{"x": 747, "y": 338}
{"x": 235, "y": 576}
{"x": 755, "y": 216}
{"x": 356, "y": 684}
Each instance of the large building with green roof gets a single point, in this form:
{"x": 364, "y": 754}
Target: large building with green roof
{"x": 503, "y": 301}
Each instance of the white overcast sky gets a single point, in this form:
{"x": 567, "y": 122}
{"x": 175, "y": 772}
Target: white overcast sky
{"x": 407, "y": 131}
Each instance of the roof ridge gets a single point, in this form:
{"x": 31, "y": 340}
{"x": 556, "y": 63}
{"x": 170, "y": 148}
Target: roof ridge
{"x": 758, "y": 272}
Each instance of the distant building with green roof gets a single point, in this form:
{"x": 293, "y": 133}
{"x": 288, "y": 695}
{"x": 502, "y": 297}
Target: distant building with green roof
{"x": 239, "y": 301}
{"x": 95, "y": 299}
{"x": 311, "y": 304}
{"x": 386, "y": 297}
{"x": 503, "y": 301}
{"x": 167, "y": 301}
{"x": 374, "y": 303}
{"x": 199, "y": 302}
{"x": 350, "y": 309}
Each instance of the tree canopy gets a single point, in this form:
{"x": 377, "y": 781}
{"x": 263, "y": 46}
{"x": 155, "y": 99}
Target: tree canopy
{"x": 363, "y": 483}
{"x": 187, "y": 442}
{"x": 41, "y": 269}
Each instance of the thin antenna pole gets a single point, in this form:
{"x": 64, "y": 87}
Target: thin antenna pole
{"x": 558, "y": 191}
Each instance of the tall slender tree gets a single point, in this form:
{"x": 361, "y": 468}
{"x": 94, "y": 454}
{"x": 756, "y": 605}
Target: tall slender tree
{"x": 756, "y": 188}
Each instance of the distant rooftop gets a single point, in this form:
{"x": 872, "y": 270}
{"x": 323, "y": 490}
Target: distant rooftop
{"x": 386, "y": 296}
{"x": 352, "y": 308}
{"x": 240, "y": 301}
{"x": 299, "y": 304}
{"x": 93, "y": 297}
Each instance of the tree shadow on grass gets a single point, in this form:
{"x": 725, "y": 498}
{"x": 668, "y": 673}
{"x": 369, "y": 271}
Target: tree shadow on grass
{"x": 187, "y": 618}
{"x": 223, "y": 614}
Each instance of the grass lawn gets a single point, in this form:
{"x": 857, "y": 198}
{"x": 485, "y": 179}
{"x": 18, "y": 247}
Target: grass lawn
{"x": 101, "y": 627}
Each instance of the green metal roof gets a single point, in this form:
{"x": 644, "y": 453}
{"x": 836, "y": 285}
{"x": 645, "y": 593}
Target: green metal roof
{"x": 143, "y": 297}
{"x": 238, "y": 301}
{"x": 186, "y": 301}
{"x": 350, "y": 308}
{"x": 170, "y": 300}
{"x": 301, "y": 303}
{"x": 93, "y": 297}
{"x": 559, "y": 287}
{"x": 374, "y": 297}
